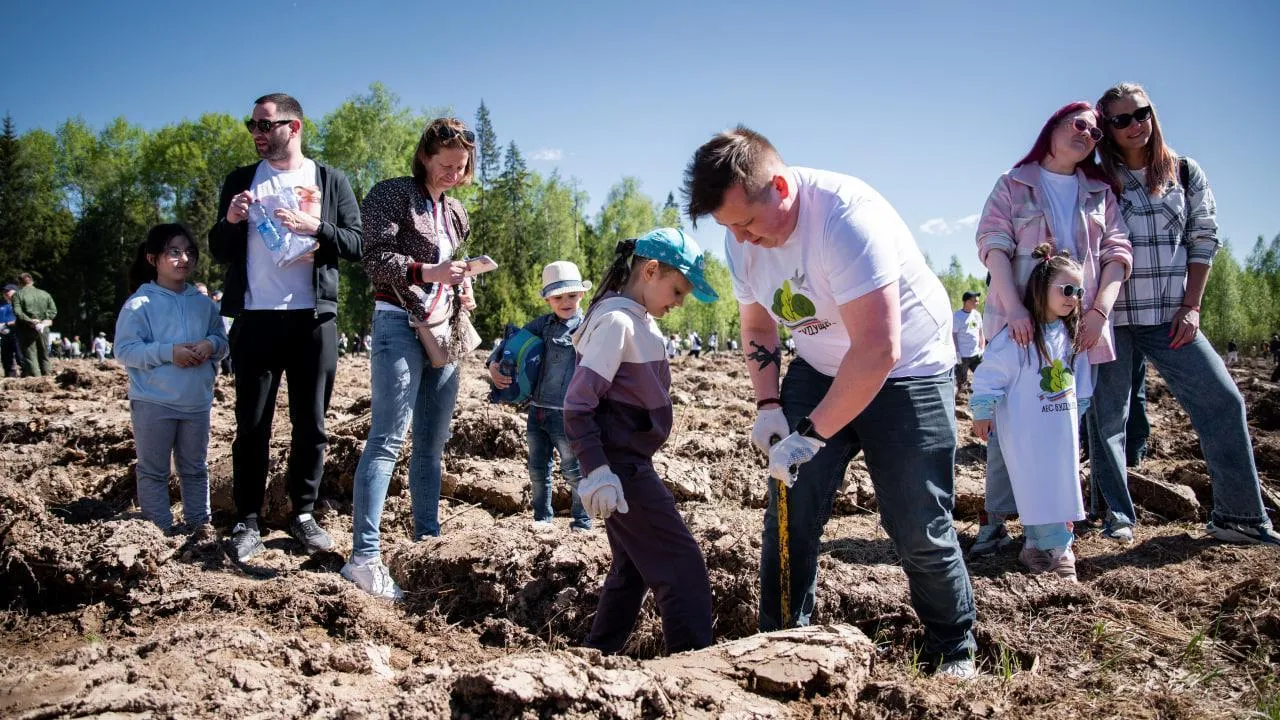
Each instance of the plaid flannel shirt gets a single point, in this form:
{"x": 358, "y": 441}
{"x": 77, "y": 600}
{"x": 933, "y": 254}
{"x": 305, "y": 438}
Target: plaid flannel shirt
{"x": 1168, "y": 233}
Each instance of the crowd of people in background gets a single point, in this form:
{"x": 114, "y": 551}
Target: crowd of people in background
{"x": 822, "y": 268}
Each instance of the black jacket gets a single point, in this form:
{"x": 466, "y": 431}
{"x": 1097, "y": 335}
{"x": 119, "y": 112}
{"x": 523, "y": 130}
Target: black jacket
{"x": 339, "y": 237}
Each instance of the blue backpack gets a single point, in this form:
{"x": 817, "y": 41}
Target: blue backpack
{"x": 520, "y": 356}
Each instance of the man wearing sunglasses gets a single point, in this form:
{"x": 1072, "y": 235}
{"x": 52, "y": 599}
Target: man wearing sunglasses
{"x": 285, "y": 317}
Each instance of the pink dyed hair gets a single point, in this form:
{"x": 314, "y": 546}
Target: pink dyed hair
{"x": 1044, "y": 143}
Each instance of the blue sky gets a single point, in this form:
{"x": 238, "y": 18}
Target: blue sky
{"x": 929, "y": 102}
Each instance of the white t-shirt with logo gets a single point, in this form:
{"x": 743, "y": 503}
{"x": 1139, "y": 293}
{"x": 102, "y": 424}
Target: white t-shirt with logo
{"x": 967, "y": 327}
{"x": 849, "y": 241}
{"x": 1038, "y": 421}
{"x": 1063, "y": 195}
{"x": 272, "y": 287}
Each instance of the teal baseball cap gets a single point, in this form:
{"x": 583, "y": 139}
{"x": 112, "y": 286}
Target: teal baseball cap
{"x": 672, "y": 247}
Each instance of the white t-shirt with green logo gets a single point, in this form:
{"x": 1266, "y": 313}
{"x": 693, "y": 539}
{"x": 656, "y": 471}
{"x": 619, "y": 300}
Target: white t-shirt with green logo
{"x": 848, "y": 242}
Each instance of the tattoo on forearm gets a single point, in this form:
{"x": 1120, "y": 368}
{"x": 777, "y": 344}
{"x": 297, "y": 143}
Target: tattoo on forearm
{"x": 765, "y": 356}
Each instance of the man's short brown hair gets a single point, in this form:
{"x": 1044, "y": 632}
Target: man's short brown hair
{"x": 285, "y": 104}
{"x": 740, "y": 156}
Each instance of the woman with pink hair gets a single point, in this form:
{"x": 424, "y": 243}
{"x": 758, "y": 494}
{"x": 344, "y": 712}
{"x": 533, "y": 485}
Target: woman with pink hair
{"x": 1056, "y": 194}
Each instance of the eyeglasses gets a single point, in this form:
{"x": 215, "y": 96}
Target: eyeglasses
{"x": 1081, "y": 126}
{"x": 1069, "y": 290}
{"x": 1122, "y": 120}
{"x": 446, "y": 133}
{"x": 264, "y": 126}
{"x": 174, "y": 253}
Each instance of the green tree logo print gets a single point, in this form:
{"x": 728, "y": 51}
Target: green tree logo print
{"x": 1056, "y": 378}
{"x": 791, "y": 306}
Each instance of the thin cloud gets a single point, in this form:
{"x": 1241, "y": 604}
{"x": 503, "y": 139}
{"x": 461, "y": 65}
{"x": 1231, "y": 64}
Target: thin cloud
{"x": 936, "y": 226}
{"x": 941, "y": 226}
{"x": 547, "y": 154}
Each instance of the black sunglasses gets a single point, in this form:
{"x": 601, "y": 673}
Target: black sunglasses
{"x": 1122, "y": 120}
{"x": 446, "y": 133}
{"x": 1069, "y": 290}
{"x": 264, "y": 126}
{"x": 1081, "y": 126}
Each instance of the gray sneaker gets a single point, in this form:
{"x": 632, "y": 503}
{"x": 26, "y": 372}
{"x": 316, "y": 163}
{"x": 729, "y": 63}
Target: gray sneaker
{"x": 991, "y": 540}
{"x": 245, "y": 541}
{"x": 1122, "y": 535}
{"x": 963, "y": 669}
{"x": 310, "y": 535}
{"x": 374, "y": 578}
{"x": 1244, "y": 534}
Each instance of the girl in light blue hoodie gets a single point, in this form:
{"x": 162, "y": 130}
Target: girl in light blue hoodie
{"x": 169, "y": 337}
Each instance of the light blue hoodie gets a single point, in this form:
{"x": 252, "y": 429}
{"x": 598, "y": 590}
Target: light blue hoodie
{"x": 151, "y": 322}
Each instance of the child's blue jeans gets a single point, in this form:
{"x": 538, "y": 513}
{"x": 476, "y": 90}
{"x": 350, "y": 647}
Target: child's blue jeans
{"x": 545, "y": 431}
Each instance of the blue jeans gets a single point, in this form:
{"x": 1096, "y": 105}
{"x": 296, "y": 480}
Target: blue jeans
{"x": 999, "y": 501}
{"x": 1138, "y": 428}
{"x": 404, "y": 387}
{"x": 158, "y": 434}
{"x": 545, "y": 430}
{"x": 908, "y": 434}
{"x": 1199, "y": 380}
{"x": 1048, "y": 536}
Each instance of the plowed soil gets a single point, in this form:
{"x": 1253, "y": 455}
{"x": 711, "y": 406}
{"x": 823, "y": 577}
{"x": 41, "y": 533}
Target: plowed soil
{"x": 104, "y": 615}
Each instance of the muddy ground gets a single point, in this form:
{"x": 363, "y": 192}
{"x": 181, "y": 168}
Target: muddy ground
{"x": 105, "y": 616}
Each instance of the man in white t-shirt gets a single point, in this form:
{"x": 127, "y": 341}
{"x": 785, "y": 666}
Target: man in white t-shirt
{"x": 827, "y": 256}
{"x": 966, "y": 335}
{"x": 285, "y": 317}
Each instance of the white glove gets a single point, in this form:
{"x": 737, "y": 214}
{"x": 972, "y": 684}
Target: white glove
{"x": 601, "y": 493}
{"x": 771, "y": 425}
{"x": 790, "y": 452}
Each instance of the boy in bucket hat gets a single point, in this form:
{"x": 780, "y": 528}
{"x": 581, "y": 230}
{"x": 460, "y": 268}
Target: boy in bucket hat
{"x": 563, "y": 289}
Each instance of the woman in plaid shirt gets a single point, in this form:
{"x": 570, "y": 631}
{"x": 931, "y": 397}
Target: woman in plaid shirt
{"x": 1170, "y": 212}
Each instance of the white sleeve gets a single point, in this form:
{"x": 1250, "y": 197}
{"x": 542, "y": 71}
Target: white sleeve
{"x": 860, "y": 249}
{"x": 604, "y": 342}
{"x": 999, "y": 367}
{"x": 957, "y": 325}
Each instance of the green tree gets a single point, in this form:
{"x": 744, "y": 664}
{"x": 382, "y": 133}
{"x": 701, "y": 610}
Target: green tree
{"x": 487, "y": 148}
{"x": 958, "y": 282}
{"x": 1222, "y": 311}
{"x": 371, "y": 137}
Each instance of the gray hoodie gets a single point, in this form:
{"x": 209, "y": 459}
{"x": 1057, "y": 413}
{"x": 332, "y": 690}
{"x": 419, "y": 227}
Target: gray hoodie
{"x": 151, "y": 322}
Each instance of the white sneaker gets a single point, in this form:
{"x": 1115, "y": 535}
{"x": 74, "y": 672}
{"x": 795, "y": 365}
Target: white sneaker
{"x": 374, "y": 578}
{"x": 963, "y": 669}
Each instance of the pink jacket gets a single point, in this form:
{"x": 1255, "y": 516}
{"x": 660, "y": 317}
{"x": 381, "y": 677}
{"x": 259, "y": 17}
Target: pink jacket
{"x": 1016, "y": 219}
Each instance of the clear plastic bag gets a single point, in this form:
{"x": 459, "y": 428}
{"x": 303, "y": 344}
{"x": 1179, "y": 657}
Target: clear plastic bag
{"x": 290, "y": 247}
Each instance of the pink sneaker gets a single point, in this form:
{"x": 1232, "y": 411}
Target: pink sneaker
{"x": 1037, "y": 561}
{"x": 1062, "y": 562}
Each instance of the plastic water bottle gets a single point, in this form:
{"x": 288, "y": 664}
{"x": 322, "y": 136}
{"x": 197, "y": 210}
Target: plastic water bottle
{"x": 266, "y": 228}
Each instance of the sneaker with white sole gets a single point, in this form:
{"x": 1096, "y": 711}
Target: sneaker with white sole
{"x": 1122, "y": 535}
{"x": 372, "y": 577}
{"x": 991, "y": 540}
{"x": 962, "y": 669}
{"x": 245, "y": 541}
{"x": 1244, "y": 534}
{"x": 1062, "y": 562}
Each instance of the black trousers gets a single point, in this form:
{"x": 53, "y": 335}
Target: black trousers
{"x": 265, "y": 346}
{"x": 9, "y": 353}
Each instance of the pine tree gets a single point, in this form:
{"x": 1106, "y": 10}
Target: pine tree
{"x": 486, "y": 148}
{"x": 11, "y": 195}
